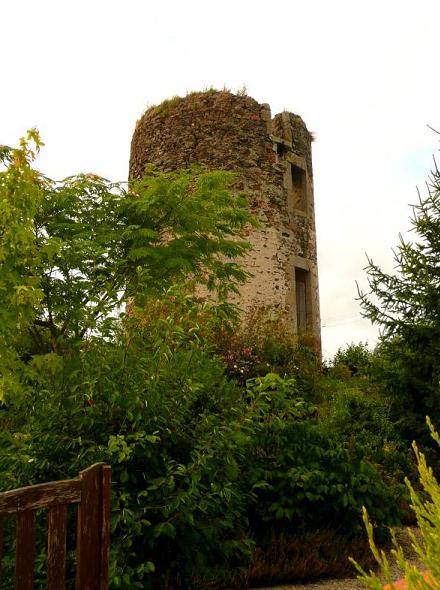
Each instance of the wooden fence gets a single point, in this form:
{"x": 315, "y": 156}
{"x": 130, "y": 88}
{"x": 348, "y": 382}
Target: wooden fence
{"x": 91, "y": 491}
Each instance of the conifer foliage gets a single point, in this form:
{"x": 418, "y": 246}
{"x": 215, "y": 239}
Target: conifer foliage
{"x": 406, "y": 306}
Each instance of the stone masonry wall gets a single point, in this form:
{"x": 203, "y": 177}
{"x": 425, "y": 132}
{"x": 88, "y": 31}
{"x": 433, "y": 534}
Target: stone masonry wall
{"x": 225, "y": 131}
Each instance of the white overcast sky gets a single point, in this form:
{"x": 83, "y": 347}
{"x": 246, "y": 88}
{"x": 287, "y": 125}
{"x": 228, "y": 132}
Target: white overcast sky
{"x": 364, "y": 75}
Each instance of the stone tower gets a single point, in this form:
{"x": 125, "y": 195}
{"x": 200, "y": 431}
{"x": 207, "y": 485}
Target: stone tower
{"x": 272, "y": 161}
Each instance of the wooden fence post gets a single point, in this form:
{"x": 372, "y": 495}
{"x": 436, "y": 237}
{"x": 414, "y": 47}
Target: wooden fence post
{"x": 93, "y": 529}
{"x": 25, "y": 552}
{"x": 56, "y": 547}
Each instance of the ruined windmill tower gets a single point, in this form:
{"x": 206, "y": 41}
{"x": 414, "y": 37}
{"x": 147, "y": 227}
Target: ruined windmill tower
{"x": 273, "y": 165}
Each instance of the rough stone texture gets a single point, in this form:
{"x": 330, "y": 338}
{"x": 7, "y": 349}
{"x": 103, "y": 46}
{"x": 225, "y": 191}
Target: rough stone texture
{"x": 272, "y": 161}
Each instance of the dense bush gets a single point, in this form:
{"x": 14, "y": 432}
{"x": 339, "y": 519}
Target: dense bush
{"x": 308, "y": 478}
{"x": 360, "y": 420}
{"x": 265, "y": 343}
{"x": 356, "y": 414}
{"x": 357, "y": 358}
{"x": 159, "y": 410}
{"x": 361, "y": 416}
{"x": 202, "y": 469}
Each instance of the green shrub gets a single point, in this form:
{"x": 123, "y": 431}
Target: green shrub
{"x": 202, "y": 470}
{"x": 266, "y": 344}
{"x": 360, "y": 419}
{"x": 304, "y": 476}
{"x": 356, "y": 358}
{"x": 356, "y": 414}
{"x": 160, "y": 411}
{"x": 401, "y": 375}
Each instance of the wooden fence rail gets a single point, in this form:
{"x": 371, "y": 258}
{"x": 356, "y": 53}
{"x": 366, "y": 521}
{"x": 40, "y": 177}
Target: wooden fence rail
{"x": 91, "y": 491}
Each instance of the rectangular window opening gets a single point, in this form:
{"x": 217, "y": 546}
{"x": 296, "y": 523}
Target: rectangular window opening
{"x": 299, "y": 187}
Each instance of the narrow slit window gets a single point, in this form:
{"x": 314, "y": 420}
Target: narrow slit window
{"x": 301, "y": 283}
{"x": 299, "y": 187}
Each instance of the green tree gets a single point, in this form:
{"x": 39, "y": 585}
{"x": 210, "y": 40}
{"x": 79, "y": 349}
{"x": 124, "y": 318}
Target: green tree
{"x": 185, "y": 227}
{"x": 21, "y": 195}
{"x": 406, "y": 307}
{"x": 74, "y": 252}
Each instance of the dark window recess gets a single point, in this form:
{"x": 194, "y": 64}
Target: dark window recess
{"x": 281, "y": 150}
{"x": 301, "y": 283}
{"x": 299, "y": 190}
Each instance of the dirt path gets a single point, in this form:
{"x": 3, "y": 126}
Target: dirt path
{"x": 354, "y": 583}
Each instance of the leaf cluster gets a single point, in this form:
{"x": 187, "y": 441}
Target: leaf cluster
{"x": 74, "y": 253}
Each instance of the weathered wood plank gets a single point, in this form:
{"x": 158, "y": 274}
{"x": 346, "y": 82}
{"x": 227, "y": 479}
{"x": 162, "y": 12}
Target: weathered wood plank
{"x": 56, "y": 547}
{"x": 25, "y": 552}
{"x": 105, "y": 531}
{"x": 40, "y": 496}
{"x": 90, "y": 569}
